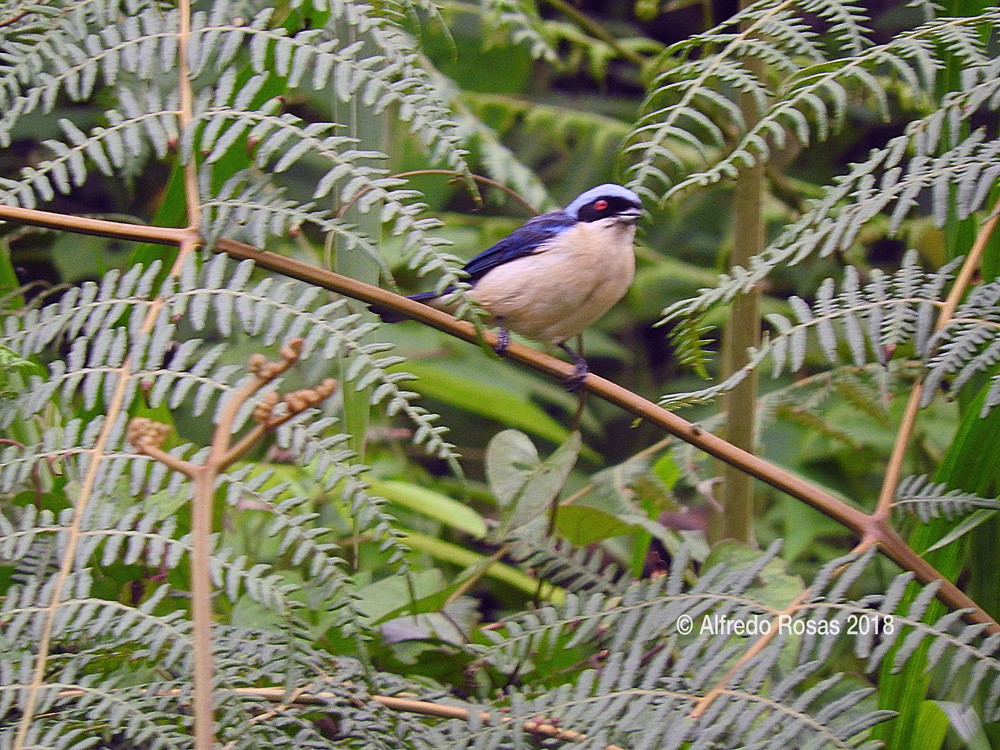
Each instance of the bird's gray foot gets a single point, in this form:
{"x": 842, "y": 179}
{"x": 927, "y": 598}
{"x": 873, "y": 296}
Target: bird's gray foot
{"x": 580, "y": 369}
{"x": 503, "y": 339}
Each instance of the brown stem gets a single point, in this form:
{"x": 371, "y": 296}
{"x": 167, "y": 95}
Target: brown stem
{"x": 245, "y": 443}
{"x": 540, "y": 726}
{"x": 179, "y": 465}
{"x": 201, "y": 608}
{"x": 192, "y": 200}
{"x": 98, "y": 227}
{"x": 894, "y": 469}
{"x": 969, "y": 268}
{"x": 204, "y": 479}
{"x": 14, "y": 19}
{"x": 145, "y": 435}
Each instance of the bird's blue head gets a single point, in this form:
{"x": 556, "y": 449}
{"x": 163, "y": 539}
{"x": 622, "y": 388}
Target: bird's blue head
{"x": 608, "y": 201}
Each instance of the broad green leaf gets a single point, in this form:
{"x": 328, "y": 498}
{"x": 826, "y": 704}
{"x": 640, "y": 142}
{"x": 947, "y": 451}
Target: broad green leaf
{"x": 378, "y": 599}
{"x": 437, "y": 382}
{"x": 964, "y": 720}
{"x": 510, "y": 457}
{"x": 453, "y": 553}
{"x": 667, "y": 470}
{"x": 525, "y": 486}
{"x": 582, "y": 525}
{"x": 432, "y": 504}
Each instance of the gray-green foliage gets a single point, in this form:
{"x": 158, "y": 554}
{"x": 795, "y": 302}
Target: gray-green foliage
{"x": 100, "y": 664}
{"x": 929, "y": 499}
{"x": 805, "y": 95}
{"x": 940, "y": 162}
{"x": 643, "y": 696}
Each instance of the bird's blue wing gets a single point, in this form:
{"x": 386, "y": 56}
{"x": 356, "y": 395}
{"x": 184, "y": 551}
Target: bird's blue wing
{"x": 527, "y": 239}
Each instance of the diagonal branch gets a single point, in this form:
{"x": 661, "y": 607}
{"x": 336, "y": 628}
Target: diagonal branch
{"x": 871, "y": 529}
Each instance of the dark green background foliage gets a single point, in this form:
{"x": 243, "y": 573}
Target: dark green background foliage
{"x": 397, "y": 538}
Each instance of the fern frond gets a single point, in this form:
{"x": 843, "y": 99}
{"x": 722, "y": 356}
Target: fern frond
{"x": 218, "y": 296}
{"x": 100, "y": 319}
{"x": 968, "y": 345}
{"x": 878, "y": 317}
{"x": 252, "y": 210}
{"x": 685, "y": 112}
{"x": 113, "y": 150}
{"x": 144, "y": 42}
{"x": 653, "y": 677}
{"x": 930, "y": 500}
{"x": 879, "y": 629}
{"x": 872, "y": 321}
{"x": 919, "y": 166}
{"x": 70, "y": 56}
{"x": 689, "y": 343}
{"x": 577, "y": 570}
{"x": 395, "y": 76}
{"x": 648, "y": 609}
{"x": 521, "y": 20}
{"x": 712, "y": 392}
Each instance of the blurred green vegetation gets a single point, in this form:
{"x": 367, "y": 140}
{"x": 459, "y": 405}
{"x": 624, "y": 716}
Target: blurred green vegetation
{"x": 550, "y": 128}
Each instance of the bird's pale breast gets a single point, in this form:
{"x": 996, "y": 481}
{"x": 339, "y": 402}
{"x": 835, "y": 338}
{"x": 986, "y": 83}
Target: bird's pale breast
{"x": 553, "y": 294}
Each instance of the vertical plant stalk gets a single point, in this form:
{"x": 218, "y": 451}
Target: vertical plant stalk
{"x": 201, "y": 605}
{"x": 742, "y": 332}
{"x": 147, "y": 436}
{"x": 192, "y": 201}
{"x": 204, "y": 484}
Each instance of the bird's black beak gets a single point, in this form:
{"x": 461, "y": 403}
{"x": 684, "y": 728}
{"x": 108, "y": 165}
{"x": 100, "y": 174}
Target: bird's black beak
{"x": 629, "y": 214}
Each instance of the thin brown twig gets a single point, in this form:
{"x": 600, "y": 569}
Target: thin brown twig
{"x": 969, "y": 267}
{"x": 758, "y": 645}
{"x": 15, "y": 18}
{"x": 204, "y": 480}
{"x": 192, "y": 199}
{"x": 539, "y": 726}
{"x": 147, "y": 435}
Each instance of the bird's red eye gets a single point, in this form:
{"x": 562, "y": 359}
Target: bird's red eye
{"x": 600, "y": 205}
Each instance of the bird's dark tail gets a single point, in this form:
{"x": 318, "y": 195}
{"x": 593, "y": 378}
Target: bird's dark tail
{"x": 389, "y": 315}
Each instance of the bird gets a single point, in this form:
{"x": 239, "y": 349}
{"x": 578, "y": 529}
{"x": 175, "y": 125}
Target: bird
{"x": 554, "y": 275}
